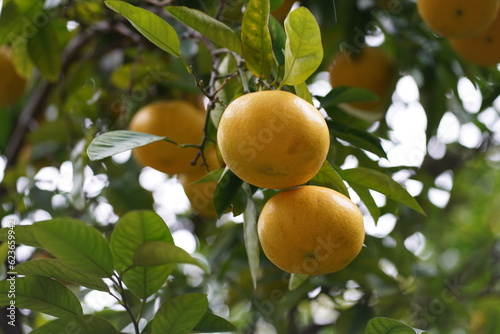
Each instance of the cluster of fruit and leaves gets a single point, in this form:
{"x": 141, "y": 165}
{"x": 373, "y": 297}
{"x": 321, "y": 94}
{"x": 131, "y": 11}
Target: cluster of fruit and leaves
{"x": 220, "y": 100}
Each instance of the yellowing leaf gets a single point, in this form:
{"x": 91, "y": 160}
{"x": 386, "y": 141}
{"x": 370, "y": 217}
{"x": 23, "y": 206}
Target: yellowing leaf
{"x": 303, "y": 49}
{"x": 256, "y": 39}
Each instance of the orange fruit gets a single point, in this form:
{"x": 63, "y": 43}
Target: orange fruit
{"x": 201, "y": 195}
{"x": 372, "y": 70}
{"x": 181, "y": 122}
{"x": 273, "y": 139}
{"x": 458, "y": 18}
{"x": 311, "y": 230}
{"x": 484, "y": 49}
{"x": 11, "y": 83}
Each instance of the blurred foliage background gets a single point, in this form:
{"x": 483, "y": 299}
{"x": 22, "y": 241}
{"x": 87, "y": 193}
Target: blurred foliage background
{"x": 88, "y": 71}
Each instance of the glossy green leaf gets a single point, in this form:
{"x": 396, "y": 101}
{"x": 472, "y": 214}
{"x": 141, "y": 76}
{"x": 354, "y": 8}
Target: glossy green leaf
{"x": 382, "y": 183}
{"x": 239, "y": 203}
{"x": 25, "y": 235}
{"x": 180, "y": 314}
{"x": 359, "y": 138}
{"x": 296, "y": 280}
{"x": 82, "y": 324}
{"x": 211, "y": 323}
{"x": 250, "y": 235}
{"x": 346, "y": 94}
{"x": 131, "y": 231}
{"x": 303, "y": 49}
{"x": 151, "y": 26}
{"x": 303, "y": 91}
{"x": 45, "y": 51}
{"x": 367, "y": 198}
{"x": 55, "y": 268}
{"x": 381, "y": 325}
{"x": 225, "y": 191}
{"x": 154, "y": 253}
{"x": 211, "y": 28}
{"x": 278, "y": 38}
{"x": 114, "y": 142}
{"x": 256, "y": 39}
{"x": 328, "y": 177}
{"x": 41, "y": 294}
{"x": 77, "y": 244}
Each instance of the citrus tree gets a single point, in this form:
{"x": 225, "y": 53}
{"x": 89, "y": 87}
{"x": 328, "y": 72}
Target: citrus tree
{"x": 249, "y": 166}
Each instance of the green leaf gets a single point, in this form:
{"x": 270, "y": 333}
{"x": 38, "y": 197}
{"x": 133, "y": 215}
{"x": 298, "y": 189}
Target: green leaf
{"x": 55, "y": 268}
{"x": 180, "y": 314}
{"x": 154, "y": 253}
{"x": 303, "y": 49}
{"x": 82, "y": 324}
{"x": 131, "y": 231}
{"x": 25, "y": 235}
{"x": 329, "y": 178}
{"x": 381, "y": 325}
{"x": 303, "y": 91}
{"x": 211, "y": 323}
{"x": 296, "y": 280}
{"x": 256, "y": 39}
{"x": 113, "y": 142}
{"x": 41, "y": 294}
{"x": 214, "y": 175}
{"x": 367, "y": 198}
{"x": 278, "y": 38}
{"x": 359, "y": 138}
{"x": 21, "y": 57}
{"x": 226, "y": 190}
{"x": 16, "y": 16}
{"x": 4, "y": 255}
{"x": 45, "y": 51}
{"x": 346, "y": 94}
{"x": 77, "y": 244}
{"x": 239, "y": 203}
{"x": 209, "y": 27}
{"x": 370, "y": 178}
{"x": 151, "y": 26}
{"x": 250, "y": 235}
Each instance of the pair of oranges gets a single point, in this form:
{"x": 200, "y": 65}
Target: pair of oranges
{"x": 472, "y": 27}
{"x": 275, "y": 139}
{"x": 183, "y": 123}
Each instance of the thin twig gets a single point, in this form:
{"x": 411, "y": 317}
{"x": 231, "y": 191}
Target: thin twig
{"x": 119, "y": 284}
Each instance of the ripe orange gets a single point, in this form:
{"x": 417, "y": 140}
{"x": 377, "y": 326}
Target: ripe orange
{"x": 273, "y": 139}
{"x": 484, "y": 49}
{"x": 311, "y": 230}
{"x": 458, "y": 18}
{"x": 372, "y": 70}
{"x": 11, "y": 83}
{"x": 178, "y": 120}
{"x": 201, "y": 195}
